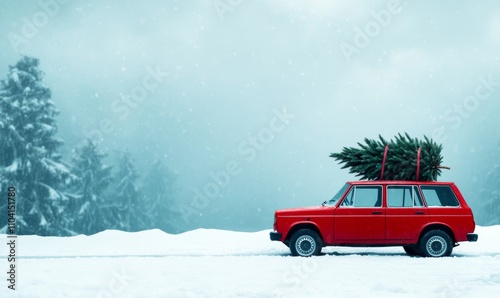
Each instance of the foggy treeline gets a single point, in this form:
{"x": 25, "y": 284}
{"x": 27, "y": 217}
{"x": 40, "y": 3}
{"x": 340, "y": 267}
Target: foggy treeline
{"x": 80, "y": 196}
{"x": 87, "y": 195}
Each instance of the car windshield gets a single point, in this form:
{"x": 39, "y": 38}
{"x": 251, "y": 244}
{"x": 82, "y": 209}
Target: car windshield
{"x": 337, "y": 196}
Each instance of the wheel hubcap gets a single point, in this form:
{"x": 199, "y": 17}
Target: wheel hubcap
{"x": 305, "y": 245}
{"x": 436, "y": 246}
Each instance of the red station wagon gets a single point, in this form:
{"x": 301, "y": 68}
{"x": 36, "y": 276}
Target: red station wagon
{"x": 426, "y": 218}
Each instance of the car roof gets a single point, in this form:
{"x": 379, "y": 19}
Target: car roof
{"x": 398, "y": 182}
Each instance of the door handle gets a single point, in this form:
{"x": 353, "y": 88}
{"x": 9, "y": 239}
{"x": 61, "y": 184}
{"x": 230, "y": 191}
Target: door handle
{"x": 377, "y": 212}
{"x": 419, "y": 212}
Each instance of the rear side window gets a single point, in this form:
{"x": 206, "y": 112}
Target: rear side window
{"x": 439, "y": 196}
{"x": 403, "y": 196}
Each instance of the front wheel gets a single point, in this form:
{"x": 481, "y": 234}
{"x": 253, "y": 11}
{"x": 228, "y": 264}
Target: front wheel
{"x": 305, "y": 243}
{"x": 436, "y": 243}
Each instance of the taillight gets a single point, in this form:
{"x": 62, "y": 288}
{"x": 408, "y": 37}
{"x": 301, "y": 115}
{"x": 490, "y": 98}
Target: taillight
{"x": 275, "y": 226}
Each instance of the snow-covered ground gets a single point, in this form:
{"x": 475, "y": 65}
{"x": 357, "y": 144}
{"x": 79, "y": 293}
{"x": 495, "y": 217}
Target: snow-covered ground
{"x": 215, "y": 263}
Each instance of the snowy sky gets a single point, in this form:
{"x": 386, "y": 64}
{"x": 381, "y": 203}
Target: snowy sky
{"x": 194, "y": 83}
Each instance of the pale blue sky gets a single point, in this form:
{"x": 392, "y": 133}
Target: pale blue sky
{"x": 225, "y": 67}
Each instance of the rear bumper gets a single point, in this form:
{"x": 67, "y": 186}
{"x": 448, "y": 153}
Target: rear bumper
{"x": 471, "y": 237}
{"x": 275, "y": 236}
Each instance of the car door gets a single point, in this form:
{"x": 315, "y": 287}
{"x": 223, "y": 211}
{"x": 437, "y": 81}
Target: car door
{"x": 405, "y": 213}
{"x": 360, "y": 217}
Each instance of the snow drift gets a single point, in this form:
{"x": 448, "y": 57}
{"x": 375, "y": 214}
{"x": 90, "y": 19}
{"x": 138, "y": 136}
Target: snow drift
{"x": 216, "y": 263}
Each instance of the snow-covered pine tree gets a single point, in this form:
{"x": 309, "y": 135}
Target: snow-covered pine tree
{"x": 489, "y": 212}
{"x": 29, "y": 158}
{"x": 130, "y": 202}
{"x": 160, "y": 206}
{"x": 91, "y": 210}
{"x": 493, "y": 203}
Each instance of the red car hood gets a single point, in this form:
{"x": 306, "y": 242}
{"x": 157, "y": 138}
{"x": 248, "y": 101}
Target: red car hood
{"x": 316, "y": 210}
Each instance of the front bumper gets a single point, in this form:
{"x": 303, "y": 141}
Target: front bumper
{"x": 472, "y": 237}
{"x": 275, "y": 236}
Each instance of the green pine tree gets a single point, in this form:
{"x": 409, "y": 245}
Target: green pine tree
{"x": 130, "y": 202}
{"x": 489, "y": 211}
{"x": 159, "y": 198}
{"x": 29, "y": 157}
{"x": 401, "y": 159}
{"x": 91, "y": 210}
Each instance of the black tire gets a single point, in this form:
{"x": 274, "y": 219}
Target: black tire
{"x": 305, "y": 243}
{"x": 412, "y": 250}
{"x": 436, "y": 244}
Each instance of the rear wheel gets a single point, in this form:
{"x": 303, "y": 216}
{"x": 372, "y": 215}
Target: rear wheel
{"x": 305, "y": 243}
{"x": 436, "y": 243}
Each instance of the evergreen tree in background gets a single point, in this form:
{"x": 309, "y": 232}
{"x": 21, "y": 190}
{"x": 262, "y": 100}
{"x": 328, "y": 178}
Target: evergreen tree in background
{"x": 160, "y": 206}
{"x": 492, "y": 199}
{"x": 29, "y": 158}
{"x": 91, "y": 210}
{"x": 131, "y": 214}
{"x": 489, "y": 193}
{"x": 401, "y": 159}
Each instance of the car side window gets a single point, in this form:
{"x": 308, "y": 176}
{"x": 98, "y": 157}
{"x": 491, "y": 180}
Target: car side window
{"x": 403, "y": 196}
{"x": 363, "y": 197}
{"x": 439, "y": 196}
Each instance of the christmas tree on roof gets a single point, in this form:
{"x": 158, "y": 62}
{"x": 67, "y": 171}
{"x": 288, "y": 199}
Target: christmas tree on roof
{"x": 404, "y": 158}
